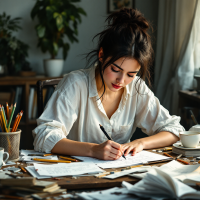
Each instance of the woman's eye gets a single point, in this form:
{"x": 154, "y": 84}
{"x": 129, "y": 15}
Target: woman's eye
{"x": 114, "y": 70}
{"x": 130, "y": 75}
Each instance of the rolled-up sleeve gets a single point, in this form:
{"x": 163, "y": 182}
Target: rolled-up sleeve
{"x": 57, "y": 119}
{"x": 152, "y": 117}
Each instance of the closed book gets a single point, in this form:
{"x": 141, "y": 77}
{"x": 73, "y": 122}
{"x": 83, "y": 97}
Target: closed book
{"x": 186, "y": 153}
{"x": 44, "y": 184}
{"x": 21, "y": 182}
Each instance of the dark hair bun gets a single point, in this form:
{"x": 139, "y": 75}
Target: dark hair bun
{"x": 127, "y": 17}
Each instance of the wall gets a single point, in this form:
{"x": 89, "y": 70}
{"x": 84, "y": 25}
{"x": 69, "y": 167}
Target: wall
{"x": 91, "y": 24}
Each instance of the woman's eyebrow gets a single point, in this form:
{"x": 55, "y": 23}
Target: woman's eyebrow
{"x": 122, "y": 69}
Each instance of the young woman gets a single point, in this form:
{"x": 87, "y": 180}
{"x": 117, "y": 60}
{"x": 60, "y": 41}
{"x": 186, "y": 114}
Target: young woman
{"x": 109, "y": 93}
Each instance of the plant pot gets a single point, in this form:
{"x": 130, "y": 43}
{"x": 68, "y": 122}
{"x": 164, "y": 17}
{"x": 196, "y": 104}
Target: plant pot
{"x": 53, "y": 67}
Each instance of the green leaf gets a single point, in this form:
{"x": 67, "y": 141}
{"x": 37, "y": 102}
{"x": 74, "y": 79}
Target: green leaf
{"x": 40, "y": 31}
{"x": 55, "y": 46}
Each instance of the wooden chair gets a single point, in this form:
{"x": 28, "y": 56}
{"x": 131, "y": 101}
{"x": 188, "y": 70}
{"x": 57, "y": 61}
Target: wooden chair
{"x": 40, "y": 86}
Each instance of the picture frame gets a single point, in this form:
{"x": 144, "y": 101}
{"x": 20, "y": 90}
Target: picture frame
{"x": 115, "y": 5}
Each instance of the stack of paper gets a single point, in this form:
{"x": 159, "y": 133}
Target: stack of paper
{"x": 160, "y": 184}
{"x": 142, "y": 157}
{"x": 24, "y": 154}
{"x": 41, "y": 171}
{"x": 189, "y": 174}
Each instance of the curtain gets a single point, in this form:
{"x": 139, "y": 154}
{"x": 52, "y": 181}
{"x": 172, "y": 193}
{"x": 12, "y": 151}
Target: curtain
{"x": 178, "y": 29}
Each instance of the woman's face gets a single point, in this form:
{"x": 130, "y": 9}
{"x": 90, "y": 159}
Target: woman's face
{"x": 120, "y": 73}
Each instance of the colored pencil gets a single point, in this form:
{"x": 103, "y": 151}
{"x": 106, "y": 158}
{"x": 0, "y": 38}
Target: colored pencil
{"x": 66, "y": 158}
{"x": 4, "y": 116}
{"x": 15, "y": 123}
{"x": 19, "y": 119}
{"x": 54, "y": 161}
{"x": 7, "y": 111}
{"x": 4, "y": 123}
{"x": 1, "y": 124}
{"x": 10, "y": 120}
{"x": 10, "y": 110}
{"x": 49, "y": 154}
{"x": 22, "y": 168}
{"x": 109, "y": 138}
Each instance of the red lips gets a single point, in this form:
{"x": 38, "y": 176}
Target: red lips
{"x": 116, "y": 86}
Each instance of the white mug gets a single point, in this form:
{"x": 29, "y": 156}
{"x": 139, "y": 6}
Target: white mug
{"x": 189, "y": 139}
{"x": 2, "y": 153}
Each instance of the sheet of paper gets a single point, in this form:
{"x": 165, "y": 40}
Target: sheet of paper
{"x": 174, "y": 169}
{"x": 26, "y": 152}
{"x": 29, "y": 158}
{"x": 111, "y": 194}
{"x": 128, "y": 171}
{"x": 69, "y": 169}
{"x": 140, "y": 158}
{"x": 158, "y": 183}
{"x": 33, "y": 172}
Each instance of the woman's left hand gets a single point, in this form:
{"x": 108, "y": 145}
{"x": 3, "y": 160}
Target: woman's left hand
{"x": 134, "y": 146}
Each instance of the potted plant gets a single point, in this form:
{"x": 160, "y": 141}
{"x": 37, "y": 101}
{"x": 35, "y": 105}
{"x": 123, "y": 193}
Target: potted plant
{"x": 56, "y": 20}
{"x": 13, "y": 52}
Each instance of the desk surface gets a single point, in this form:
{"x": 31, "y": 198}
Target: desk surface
{"x": 91, "y": 182}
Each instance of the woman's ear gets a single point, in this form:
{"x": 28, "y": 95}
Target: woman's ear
{"x": 101, "y": 54}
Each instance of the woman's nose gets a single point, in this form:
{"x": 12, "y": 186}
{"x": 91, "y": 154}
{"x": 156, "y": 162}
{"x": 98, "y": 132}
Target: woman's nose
{"x": 120, "y": 79}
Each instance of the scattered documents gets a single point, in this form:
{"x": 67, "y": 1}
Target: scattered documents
{"x": 115, "y": 193}
{"x": 142, "y": 157}
{"x": 189, "y": 174}
{"x": 70, "y": 169}
{"x": 158, "y": 183}
{"x": 128, "y": 171}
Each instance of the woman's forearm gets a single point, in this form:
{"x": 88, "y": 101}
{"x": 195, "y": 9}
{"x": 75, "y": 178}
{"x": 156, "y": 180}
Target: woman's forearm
{"x": 158, "y": 140}
{"x": 70, "y": 147}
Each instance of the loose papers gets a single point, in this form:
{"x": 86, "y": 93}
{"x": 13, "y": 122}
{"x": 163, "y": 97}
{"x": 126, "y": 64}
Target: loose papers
{"x": 63, "y": 169}
{"x": 140, "y": 158}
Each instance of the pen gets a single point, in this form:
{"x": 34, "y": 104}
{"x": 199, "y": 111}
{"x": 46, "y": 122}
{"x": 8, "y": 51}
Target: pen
{"x": 54, "y": 161}
{"x": 106, "y": 134}
{"x": 66, "y": 158}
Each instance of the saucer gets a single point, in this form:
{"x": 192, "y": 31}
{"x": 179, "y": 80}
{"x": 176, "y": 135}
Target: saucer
{"x": 180, "y": 146}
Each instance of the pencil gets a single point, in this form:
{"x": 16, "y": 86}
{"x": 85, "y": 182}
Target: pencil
{"x": 10, "y": 110}
{"x": 49, "y": 154}
{"x": 183, "y": 161}
{"x": 54, "y": 161}
{"x": 10, "y": 120}
{"x": 15, "y": 122}
{"x": 109, "y": 138}
{"x": 1, "y": 124}
{"x": 4, "y": 115}
{"x": 22, "y": 168}
{"x": 168, "y": 155}
{"x": 4, "y": 123}
{"x": 7, "y": 111}
{"x": 19, "y": 119}
{"x": 66, "y": 158}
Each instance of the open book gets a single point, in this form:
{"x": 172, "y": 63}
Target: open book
{"x": 158, "y": 183}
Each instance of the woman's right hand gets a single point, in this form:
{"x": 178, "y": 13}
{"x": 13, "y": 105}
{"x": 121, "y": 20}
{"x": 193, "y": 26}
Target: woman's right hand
{"x": 108, "y": 150}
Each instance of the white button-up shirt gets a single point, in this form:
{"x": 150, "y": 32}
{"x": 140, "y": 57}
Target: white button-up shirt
{"x": 75, "y": 111}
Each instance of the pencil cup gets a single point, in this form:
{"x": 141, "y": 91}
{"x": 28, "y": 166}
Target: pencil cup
{"x": 10, "y": 142}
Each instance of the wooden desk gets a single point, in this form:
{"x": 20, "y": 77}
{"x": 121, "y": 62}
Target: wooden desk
{"x": 91, "y": 182}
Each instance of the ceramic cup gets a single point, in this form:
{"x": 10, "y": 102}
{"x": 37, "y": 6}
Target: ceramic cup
{"x": 189, "y": 139}
{"x": 195, "y": 128}
{"x": 2, "y": 154}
